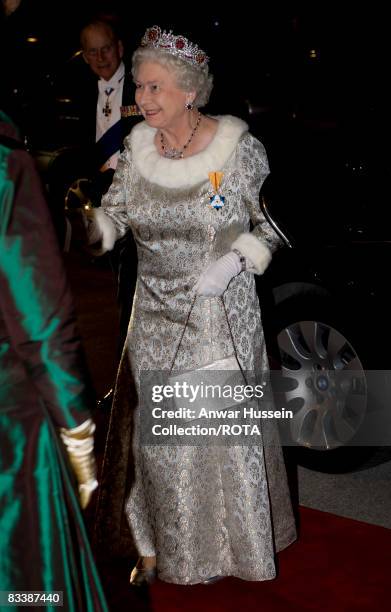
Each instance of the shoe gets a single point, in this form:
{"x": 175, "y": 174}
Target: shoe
{"x": 141, "y": 577}
{"x": 212, "y": 579}
{"x": 104, "y": 404}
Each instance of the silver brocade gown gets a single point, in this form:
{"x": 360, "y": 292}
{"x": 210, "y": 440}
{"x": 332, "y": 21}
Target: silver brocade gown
{"x": 204, "y": 511}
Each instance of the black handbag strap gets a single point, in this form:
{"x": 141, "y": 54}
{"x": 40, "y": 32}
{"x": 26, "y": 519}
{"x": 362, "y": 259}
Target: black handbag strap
{"x": 183, "y": 332}
{"x": 230, "y": 331}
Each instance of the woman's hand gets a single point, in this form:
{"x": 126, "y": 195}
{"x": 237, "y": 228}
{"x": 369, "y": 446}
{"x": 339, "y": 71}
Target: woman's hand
{"x": 216, "y": 278}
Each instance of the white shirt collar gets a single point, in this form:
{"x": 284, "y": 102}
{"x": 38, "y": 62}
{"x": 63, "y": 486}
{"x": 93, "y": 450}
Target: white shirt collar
{"x": 115, "y": 79}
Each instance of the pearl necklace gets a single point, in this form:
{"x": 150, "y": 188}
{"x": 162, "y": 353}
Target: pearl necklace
{"x": 172, "y": 153}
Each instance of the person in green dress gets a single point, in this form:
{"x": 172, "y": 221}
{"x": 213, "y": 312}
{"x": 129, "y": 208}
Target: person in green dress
{"x": 46, "y": 430}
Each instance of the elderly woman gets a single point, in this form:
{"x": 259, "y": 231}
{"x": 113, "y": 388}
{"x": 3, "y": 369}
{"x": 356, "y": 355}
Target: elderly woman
{"x": 187, "y": 185}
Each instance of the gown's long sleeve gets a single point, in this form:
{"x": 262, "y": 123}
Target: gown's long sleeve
{"x": 41, "y": 342}
{"x": 259, "y": 244}
{"x": 111, "y": 219}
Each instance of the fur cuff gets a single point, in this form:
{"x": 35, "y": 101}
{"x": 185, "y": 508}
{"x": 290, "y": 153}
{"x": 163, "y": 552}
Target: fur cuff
{"x": 106, "y": 228}
{"x": 255, "y": 250}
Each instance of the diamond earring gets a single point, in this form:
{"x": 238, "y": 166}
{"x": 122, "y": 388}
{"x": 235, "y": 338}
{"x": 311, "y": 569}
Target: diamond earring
{"x": 189, "y": 106}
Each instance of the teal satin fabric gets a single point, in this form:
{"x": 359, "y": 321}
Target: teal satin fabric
{"x": 43, "y": 541}
{"x": 43, "y": 386}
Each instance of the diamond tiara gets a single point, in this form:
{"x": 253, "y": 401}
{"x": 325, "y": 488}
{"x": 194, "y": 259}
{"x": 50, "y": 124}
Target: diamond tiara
{"x": 176, "y": 45}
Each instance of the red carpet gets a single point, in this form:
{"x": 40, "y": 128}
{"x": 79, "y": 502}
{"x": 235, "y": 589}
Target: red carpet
{"x": 336, "y": 565}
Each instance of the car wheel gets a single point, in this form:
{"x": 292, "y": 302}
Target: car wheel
{"x": 323, "y": 382}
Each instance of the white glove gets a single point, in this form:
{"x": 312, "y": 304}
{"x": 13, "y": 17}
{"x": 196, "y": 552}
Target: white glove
{"x": 94, "y": 232}
{"x": 217, "y": 276}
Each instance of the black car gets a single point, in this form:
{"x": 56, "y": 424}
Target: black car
{"x": 327, "y": 316}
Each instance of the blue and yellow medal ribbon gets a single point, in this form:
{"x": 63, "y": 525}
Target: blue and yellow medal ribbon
{"x": 217, "y": 201}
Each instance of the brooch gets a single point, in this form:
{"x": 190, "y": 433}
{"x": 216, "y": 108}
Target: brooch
{"x": 217, "y": 200}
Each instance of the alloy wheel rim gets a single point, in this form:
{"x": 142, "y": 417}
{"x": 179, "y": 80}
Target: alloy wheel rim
{"x": 323, "y": 383}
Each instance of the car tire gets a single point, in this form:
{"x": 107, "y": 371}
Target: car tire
{"x": 317, "y": 350}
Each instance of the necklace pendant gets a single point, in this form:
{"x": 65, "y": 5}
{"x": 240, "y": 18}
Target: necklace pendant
{"x": 172, "y": 153}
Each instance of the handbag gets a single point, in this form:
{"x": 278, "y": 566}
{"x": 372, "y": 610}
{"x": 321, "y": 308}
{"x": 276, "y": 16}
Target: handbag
{"x": 205, "y": 376}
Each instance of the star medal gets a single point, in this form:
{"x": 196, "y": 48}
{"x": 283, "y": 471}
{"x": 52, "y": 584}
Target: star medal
{"x": 217, "y": 200}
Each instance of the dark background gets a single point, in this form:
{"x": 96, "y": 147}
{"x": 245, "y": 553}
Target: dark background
{"x": 308, "y": 77}
{"x": 319, "y": 59}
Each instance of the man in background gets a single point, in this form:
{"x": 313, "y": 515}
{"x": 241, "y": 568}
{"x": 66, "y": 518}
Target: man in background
{"x": 108, "y": 109}
{"x": 108, "y": 113}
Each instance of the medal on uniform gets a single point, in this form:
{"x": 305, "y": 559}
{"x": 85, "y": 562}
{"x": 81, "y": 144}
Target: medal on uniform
{"x": 106, "y": 110}
{"x": 217, "y": 200}
{"x": 130, "y": 111}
